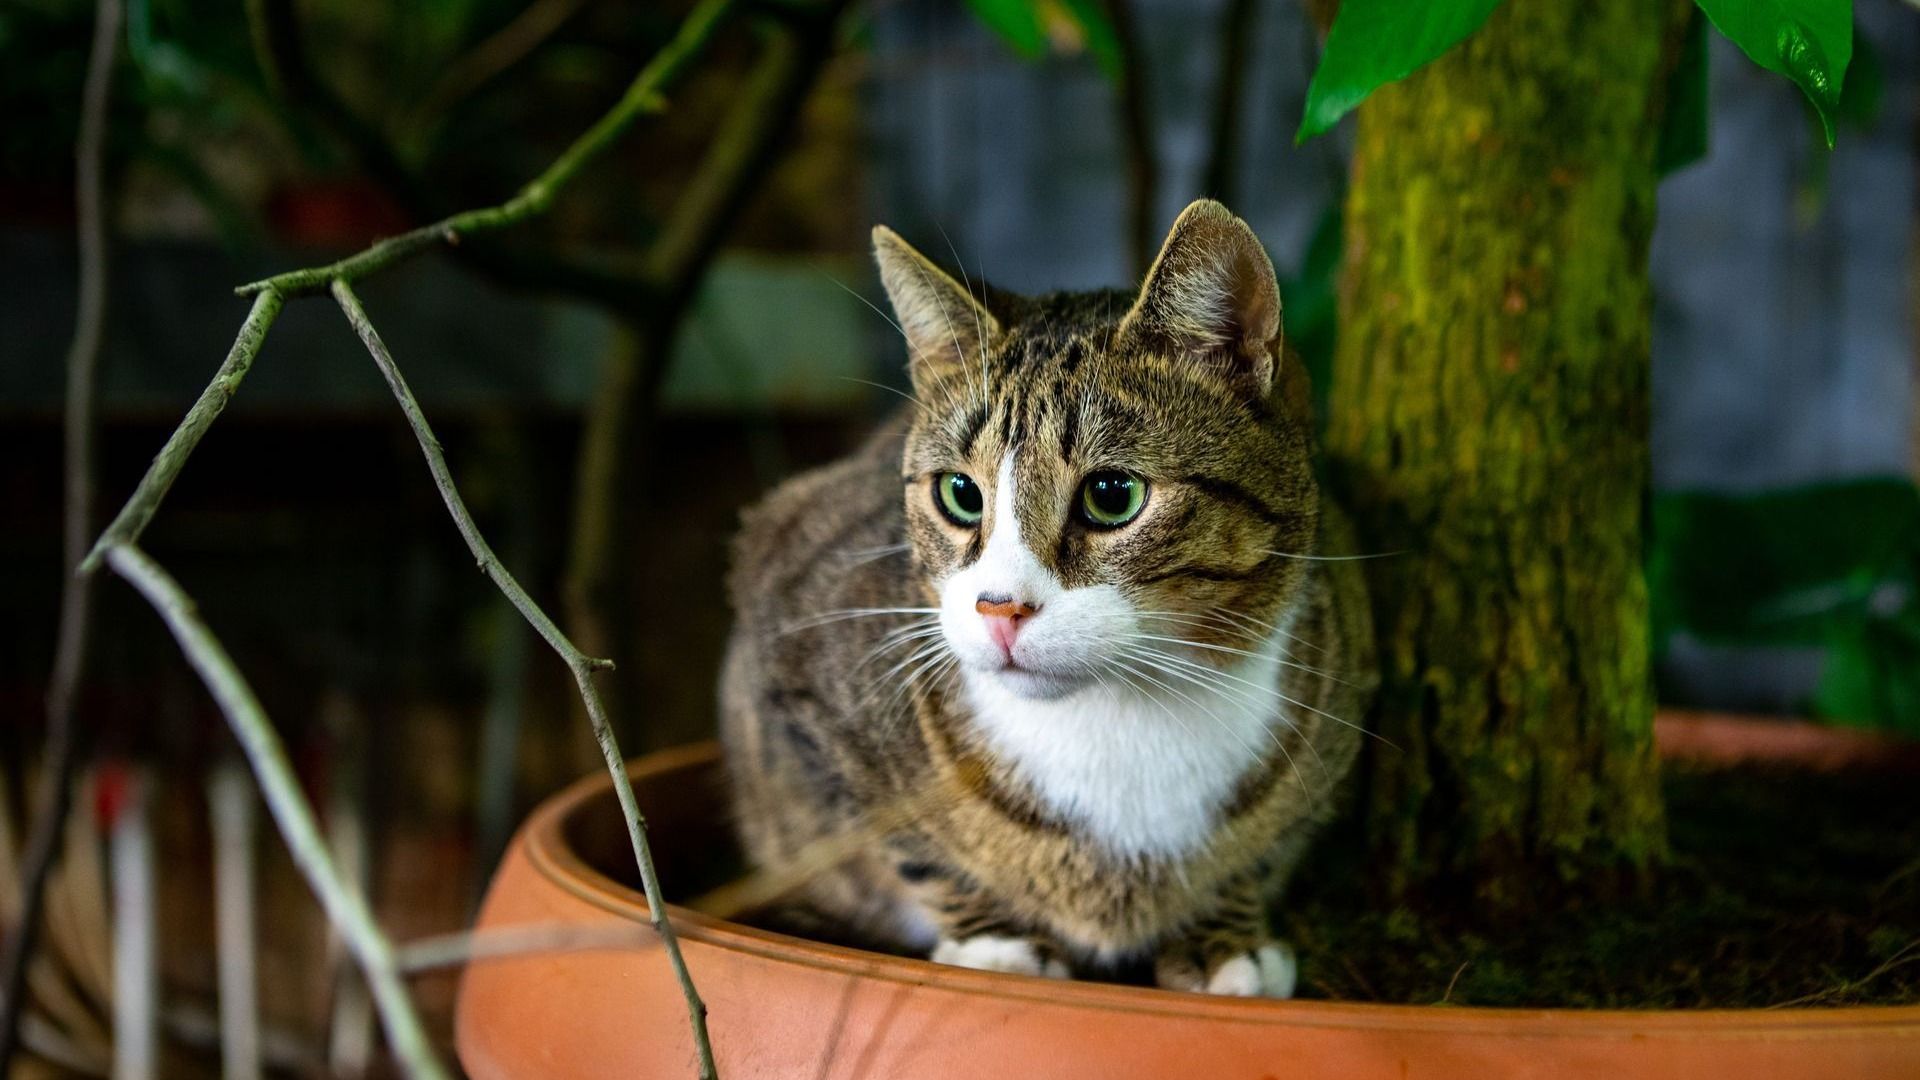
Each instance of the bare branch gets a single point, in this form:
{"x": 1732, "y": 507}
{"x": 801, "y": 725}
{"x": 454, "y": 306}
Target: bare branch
{"x": 468, "y": 946}
{"x": 76, "y": 593}
{"x": 582, "y": 665}
{"x": 345, "y": 908}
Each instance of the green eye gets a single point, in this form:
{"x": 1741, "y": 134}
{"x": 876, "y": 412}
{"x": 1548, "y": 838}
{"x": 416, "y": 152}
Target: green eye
{"x": 959, "y": 498}
{"x": 1111, "y": 499}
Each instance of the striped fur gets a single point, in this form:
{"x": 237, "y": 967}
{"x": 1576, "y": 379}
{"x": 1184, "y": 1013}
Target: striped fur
{"x": 1137, "y": 777}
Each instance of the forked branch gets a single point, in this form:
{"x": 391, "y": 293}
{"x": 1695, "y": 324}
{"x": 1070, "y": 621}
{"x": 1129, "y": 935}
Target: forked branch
{"x": 582, "y": 665}
{"x": 118, "y": 547}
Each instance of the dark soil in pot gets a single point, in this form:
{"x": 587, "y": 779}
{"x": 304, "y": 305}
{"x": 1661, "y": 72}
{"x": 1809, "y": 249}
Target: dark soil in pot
{"x": 1785, "y": 888}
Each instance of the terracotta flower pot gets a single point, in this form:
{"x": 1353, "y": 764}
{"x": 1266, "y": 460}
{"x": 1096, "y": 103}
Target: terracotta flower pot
{"x": 784, "y": 1007}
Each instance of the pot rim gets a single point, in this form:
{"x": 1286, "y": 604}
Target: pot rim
{"x": 544, "y": 838}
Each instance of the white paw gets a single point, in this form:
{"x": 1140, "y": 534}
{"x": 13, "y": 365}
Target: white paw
{"x": 1238, "y": 977}
{"x": 990, "y": 952}
{"x": 1269, "y": 971}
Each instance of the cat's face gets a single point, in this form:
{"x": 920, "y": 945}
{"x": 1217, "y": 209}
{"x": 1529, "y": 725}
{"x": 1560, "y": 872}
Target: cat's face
{"x": 1102, "y": 487}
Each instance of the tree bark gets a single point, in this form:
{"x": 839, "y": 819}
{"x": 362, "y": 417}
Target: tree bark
{"x": 1488, "y": 421}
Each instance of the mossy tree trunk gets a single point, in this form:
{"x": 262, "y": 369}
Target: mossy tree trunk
{"x": 1488, "y": 420}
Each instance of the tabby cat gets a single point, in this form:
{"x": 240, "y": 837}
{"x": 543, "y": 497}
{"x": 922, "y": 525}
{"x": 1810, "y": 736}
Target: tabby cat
{"x": 1056, "y": 648}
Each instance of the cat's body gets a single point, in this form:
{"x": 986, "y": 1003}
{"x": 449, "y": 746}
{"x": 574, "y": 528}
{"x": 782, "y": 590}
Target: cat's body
{"x": 1059, "y": 737}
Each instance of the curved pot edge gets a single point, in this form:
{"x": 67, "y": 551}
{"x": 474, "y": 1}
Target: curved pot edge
{"x": 554, "y": 859}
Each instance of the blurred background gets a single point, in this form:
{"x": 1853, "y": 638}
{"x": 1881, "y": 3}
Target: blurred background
{"x": 693, "y": 322}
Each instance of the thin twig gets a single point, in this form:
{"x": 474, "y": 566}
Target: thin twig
{"x": 139, "y": 510}
{"x": 582, "y": 665}
{"x": 76, "y": 594}
{"x": 468, "y": 946}
{"x": 644, "y": 95}
{"x": 1908, "y": 954}
{"x": 117, "y": 546}
{"x": 345, "y": 908}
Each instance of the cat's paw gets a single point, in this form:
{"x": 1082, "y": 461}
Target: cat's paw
{"x": 1269, "y": 971}
{"x": 992, "y": 952}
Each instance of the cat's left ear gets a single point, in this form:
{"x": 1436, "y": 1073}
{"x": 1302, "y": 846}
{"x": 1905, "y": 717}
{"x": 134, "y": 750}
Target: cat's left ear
{"x": 946, "y": 328}
{"x": 1212, "y": 295}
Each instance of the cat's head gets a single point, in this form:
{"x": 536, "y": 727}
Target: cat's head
{"x": 1092, "y": 478}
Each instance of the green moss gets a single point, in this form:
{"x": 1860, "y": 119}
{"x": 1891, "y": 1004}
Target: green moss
{"x": 1783, "y": 888}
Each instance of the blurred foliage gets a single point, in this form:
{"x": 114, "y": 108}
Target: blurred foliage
{"x": 1833, "y": 566}
{"x": 1033, "y": 28}
{"x": 464, "y": 98}
{"x": 1375, "y": 42}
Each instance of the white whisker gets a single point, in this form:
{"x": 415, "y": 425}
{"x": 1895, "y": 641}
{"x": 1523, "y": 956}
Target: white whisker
{"x": 1332, "y": 558}
{"x": 844, "y": 614}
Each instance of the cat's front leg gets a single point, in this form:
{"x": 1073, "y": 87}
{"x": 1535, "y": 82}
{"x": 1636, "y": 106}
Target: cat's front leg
{"x": 1230, "y": 951}
{"x": 977, "y": 932}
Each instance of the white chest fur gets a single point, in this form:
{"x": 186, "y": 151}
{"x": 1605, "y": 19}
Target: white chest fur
{"x": 1144, "y": 769}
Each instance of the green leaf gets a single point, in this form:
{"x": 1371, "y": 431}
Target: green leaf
{"x": 1016, "y": 21}
{"x": 1375, "y": 42}
{"x": 1683, "y": 130}
{"x": 1097, "y": 33}
{"x": 1808, "y": 41}
{"x": 1782, "y": 568}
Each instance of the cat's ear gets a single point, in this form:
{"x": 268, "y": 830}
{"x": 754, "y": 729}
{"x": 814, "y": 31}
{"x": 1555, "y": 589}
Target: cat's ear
{"x": 945, "y": 326}
{"x": 1212, "y": 295}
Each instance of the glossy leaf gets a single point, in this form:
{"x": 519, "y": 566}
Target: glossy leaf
{"x": 1683, "y": 130}
{"x": 1808, "y": 41}
{"x": 1375, "y": 42}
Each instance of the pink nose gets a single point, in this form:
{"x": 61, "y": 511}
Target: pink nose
{"x": 1003, "y": 617}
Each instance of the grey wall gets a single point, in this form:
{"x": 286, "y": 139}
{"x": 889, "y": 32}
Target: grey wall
{"x": 1783, "y": 341}
{"x": 1783, "y": 347}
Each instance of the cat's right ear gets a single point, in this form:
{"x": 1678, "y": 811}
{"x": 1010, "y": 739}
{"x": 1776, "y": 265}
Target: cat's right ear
{"x": 945, "y": 326}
